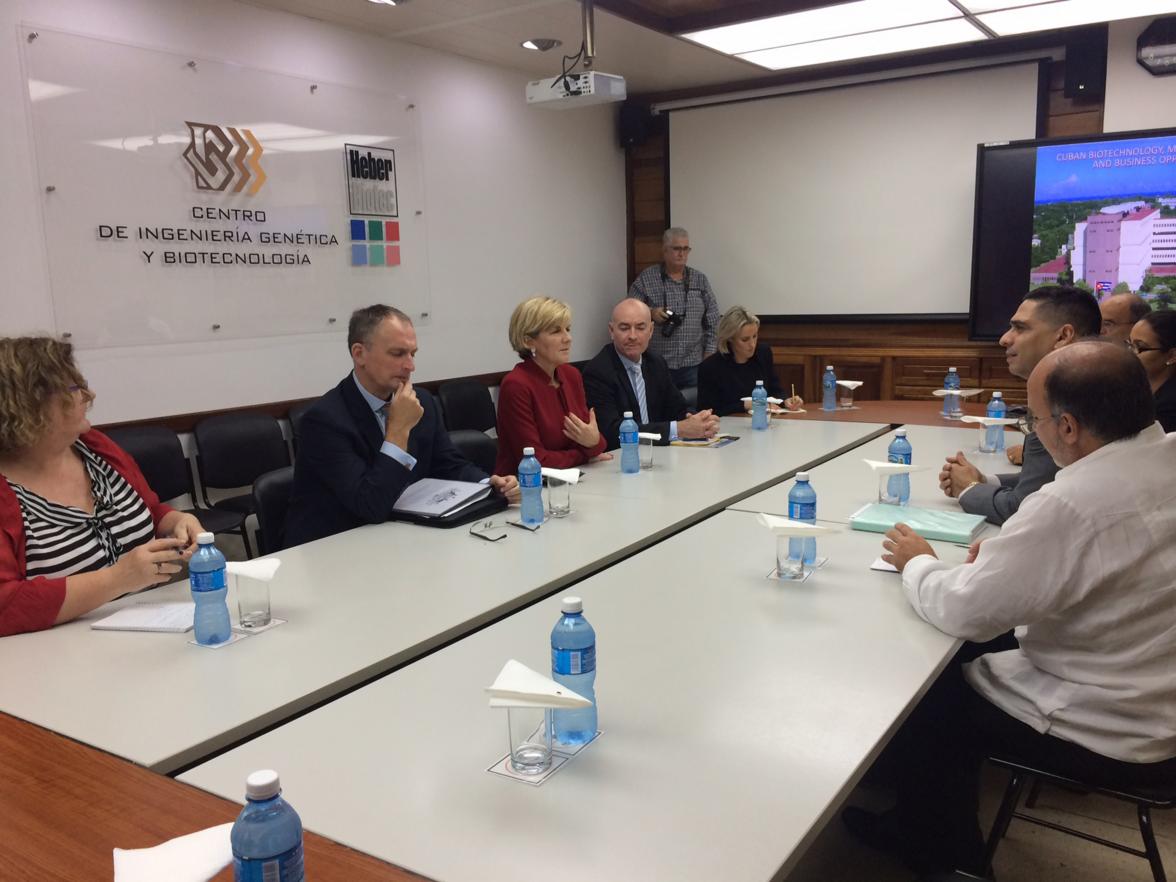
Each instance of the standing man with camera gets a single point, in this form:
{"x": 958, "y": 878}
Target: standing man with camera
{"x": 683, "y": 306}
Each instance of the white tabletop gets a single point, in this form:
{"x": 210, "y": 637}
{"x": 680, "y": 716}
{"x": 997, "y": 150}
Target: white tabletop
{"x": 846, "y": 483}
{"x": 364, "y": 602}
{"x": 737, "y": 712}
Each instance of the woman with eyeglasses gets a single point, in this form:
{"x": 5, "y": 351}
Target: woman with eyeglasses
{"x": 1153, "y": 339}
{"x": 78, "y": 523}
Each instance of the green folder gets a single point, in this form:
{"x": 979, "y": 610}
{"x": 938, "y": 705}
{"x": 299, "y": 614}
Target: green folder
{"x": 950, "y": 526}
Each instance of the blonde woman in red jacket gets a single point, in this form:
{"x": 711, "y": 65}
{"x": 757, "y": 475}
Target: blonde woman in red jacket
{"x": 78, "y": 524}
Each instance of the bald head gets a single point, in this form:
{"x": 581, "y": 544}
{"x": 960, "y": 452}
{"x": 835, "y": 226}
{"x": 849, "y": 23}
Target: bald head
{"x": 1089, "y": 394}
{"x": 630, "y": 327}
{"x": 1119, "y": 313}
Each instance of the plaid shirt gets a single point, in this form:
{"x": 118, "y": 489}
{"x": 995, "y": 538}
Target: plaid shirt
{"x": 691, "y": 298}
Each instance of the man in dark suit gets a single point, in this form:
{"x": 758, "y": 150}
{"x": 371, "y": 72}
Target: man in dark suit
{"x": 371, "y": 436}
{"x": 625, "y": 377}
{"x": 1049, "y": 318}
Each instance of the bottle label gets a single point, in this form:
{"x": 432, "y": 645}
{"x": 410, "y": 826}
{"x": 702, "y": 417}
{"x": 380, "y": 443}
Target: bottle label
{"x": 573, "y": 661}
{"x": 532, "y": 480}
{"x": 285, "y": 867}
{"x": 212, "y": 581}
{"x": 802, "y": 511}
{"x": 629, "y": 437}
{"x": 904, "y": 458}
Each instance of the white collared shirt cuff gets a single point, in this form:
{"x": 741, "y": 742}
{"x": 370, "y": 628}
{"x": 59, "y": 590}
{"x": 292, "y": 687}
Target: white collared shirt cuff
{"x": 992, "y": 479}
{"x": 403, "y": 457}
{"x": 673, "y": 430}
{"x": 913, "y": 576}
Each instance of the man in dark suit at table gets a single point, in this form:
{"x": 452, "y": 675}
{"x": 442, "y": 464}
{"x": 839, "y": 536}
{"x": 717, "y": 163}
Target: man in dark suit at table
{"x": 623, "y": 376}
{"x": 1048, "y": 318}
{"x": 372, "y": 436}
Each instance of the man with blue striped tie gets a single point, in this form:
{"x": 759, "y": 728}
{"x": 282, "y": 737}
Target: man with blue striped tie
{"x": 625, "y": 376}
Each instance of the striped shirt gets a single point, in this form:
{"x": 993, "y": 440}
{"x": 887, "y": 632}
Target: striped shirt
{"x": 61, "y": 540}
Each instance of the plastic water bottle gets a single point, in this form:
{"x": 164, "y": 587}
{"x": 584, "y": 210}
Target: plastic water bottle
{"x": 759, "y": 406}
{"x": 994, "y": 436}
{"x": 206, "y": 575}
{"x": 267, "y": 836}
{"x": 829, "y": 389}
{"x": 630, "y": 452}
{"x": 951, "y": 401}
{"x": 531, "y": 489}
{"x": 573, "y": 664}
{"x": 802, "y": 506}
{"x": 898, "y": 487}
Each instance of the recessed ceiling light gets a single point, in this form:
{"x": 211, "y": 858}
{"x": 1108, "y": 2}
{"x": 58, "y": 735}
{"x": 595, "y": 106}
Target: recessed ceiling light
{"x": 922, "y": 36}
{"x": 1070, "y": 13}
{"x": 823, "y": 24}
{"x": 541, "y": 44}
{"x": 387, "y": 2}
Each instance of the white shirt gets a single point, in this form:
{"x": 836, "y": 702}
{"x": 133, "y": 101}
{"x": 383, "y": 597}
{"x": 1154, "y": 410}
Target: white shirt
{"x": 1086, "y": 570}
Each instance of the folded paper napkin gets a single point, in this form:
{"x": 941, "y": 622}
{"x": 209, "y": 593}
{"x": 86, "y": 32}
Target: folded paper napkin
{"x": 787, "y": 527}
{"x": 518, "y": 686}
{"x": 771, "y": 400}
{"x": 963, "y": 393}
{"x": 850, "y": 384}
{"x": 196, "y": 857}
{"x": 893, "y": 468}
{"x": 259, "y": 570}
{"x": 649, "y": 436}
{"x": 989, "y": 421}
{"x": 568, "y": 476}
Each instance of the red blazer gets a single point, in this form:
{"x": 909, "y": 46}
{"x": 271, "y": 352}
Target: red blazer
{"x": 33, "y": 604}
{"x": 531, "y": 413}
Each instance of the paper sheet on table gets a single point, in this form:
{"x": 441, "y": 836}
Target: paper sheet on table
{"x": 989, "y": 421}
{"x": 258, "y": 570}
{"x": 787, "y": 527}
{"x": 882, "y": 566}
{"x": 771, "y": 400}
{"x": 950, "y": 526}
{"x": 518, "y": 686}
{"x": 196, "y": 857}
{"x": 850, "y": 384}
{"x": 893, "y": 468}
{"x": 649, "y": 436}
{"x": 170, "y": 618}
{"x": 568, "y": 476}
{"x": 963, "y": 393}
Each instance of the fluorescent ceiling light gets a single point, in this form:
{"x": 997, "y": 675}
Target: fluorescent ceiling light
{"x": 1070, "y": 13}
{"x": 385, "y": 2}
{"x": 923, "y": 36}
{"x": 822, "y": 24}
{"x": 993, "y": 5}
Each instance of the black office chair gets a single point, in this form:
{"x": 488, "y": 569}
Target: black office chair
{"x": 295, "y": 415}
{"x": 466, "y": 404}
{"x": 1145, "y": 799}
{"x": 160, "y": 457}
{"x": 232, "y": 450}
{"x": 690, "y": 393}
{"x": 271, "y": 499}
{"x": 478, "y": 447}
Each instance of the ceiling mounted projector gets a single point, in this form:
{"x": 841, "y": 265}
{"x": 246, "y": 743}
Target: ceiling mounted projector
{"x": 576, "y": 90}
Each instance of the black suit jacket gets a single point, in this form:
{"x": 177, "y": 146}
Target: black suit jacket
{"x": 609, "y": 390}
{"x": 1166, "y": 405}
{"x": 342, "y": 480}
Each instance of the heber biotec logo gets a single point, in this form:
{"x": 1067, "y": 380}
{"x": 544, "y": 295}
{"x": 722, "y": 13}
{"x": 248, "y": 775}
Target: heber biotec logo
{"x": 371, "y": 180}
{"x": 220, "y": 155}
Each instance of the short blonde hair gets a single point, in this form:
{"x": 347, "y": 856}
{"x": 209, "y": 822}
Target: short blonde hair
{"x": 35, "y": 373}
{"x": 531, "y": 317}
{"x": 732, "y": 322}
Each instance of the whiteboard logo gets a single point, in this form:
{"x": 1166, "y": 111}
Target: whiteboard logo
{"x": 220, "y": 156}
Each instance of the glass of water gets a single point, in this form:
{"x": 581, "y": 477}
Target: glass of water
{"x": 530, "y": 739}
{"x": 253, "y": 601}
{"x": 787, "y": 568}
{"x": 559, "y": 498}
{"x": 646, "y": 450}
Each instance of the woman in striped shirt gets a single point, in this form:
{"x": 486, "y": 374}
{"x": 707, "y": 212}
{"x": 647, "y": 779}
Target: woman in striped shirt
{"x": 78, "y": 523}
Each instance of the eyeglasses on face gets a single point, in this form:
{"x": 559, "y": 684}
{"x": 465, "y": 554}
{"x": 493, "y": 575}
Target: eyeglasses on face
{"x": 1140, "y": 348}
{"x": 1031, "y": 420}
{"x": 680, "y": 249}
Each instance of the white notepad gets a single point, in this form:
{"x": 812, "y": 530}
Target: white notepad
{"x": 173, "y": 618}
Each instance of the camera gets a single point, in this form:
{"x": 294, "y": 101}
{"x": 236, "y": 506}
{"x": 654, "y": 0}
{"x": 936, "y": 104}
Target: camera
{"x": 673, "y": 320}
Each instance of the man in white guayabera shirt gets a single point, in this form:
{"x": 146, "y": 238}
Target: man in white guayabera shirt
{"x": 1086, "y": 573}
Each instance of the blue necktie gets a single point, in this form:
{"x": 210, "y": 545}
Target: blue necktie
{"x": 639, "y": 389}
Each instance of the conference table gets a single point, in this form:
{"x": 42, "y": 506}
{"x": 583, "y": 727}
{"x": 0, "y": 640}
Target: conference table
{"x": 737, "y": 713}
{"x": 363, "y": 603}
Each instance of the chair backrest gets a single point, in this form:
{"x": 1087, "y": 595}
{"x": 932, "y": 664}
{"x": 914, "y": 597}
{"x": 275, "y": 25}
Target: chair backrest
{"x": 295, "y": 415}
{"x": 160, "y": 457}
{"x": 271, "y": 498}
{"x": 690, "y": 393}
{"x": 478, "y": 447}
{"x": 467, "y": 405}
{"x": 232, "y": 449}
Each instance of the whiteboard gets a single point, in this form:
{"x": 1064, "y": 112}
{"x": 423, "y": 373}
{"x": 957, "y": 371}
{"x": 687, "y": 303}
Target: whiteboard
{"x": 189, "y": 200}
{"x": 848, "y": 201}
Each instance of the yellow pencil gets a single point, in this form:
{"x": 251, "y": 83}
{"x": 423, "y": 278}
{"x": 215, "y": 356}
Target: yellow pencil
{"x": 793, "y": 390}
